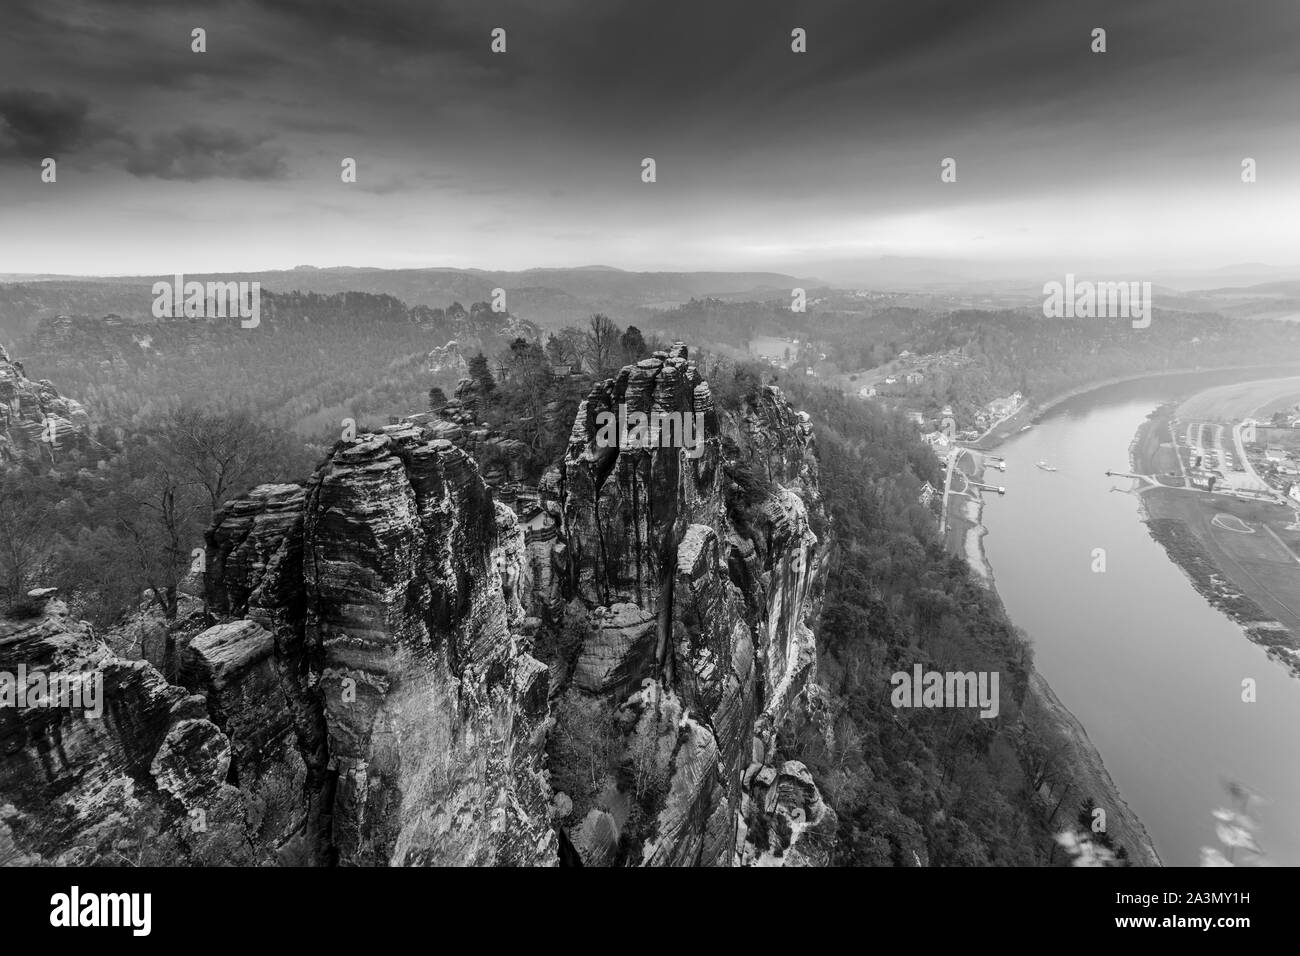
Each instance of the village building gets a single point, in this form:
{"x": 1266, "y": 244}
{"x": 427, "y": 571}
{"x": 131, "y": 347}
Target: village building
{"x": 928, "y": 492}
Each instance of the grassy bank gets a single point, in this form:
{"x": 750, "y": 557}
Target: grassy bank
{"x": 1251, "y": 575}
{"x": 1033, "y": 413}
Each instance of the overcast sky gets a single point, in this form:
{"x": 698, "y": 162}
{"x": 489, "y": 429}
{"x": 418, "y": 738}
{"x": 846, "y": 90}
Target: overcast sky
{"x": 230, "y": 160}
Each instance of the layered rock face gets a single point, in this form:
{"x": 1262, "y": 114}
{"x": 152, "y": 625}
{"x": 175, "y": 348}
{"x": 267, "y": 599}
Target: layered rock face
{"x": 692, "y": 578}
{"x": 145, "y": 780}
{"x": 35, "y": 420}
{"x": 365, "y": 699}
{"x": 447, "y": 365}
{"x": 369, "y": 686}
{"x": 389, "y": 589}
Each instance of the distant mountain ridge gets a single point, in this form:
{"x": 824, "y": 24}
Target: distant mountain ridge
{"x": 552, "y": 298}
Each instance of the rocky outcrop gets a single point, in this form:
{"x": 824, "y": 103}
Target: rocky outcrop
{"x": 399, "y": 668}
{"x": 447, "y": 365}
{"x": 501, "y": 460}
{"x": 697, "y": 577}
{"x": 390, "y": 588}
{"x": 365, "y": 699}
{"x": 36, "y": 422}
{"x": 144, "y": 780}
{"x": 426, "y": 696}
{"x": 784, "y": 820}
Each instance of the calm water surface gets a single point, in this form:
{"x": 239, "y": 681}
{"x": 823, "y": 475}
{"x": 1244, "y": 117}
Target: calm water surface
{"x": 1147, "y": 665}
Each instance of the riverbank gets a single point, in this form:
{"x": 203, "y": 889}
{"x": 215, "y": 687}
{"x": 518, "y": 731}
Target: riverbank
{"x": 1032, "y": 413}
{"x": 1083, "y": 770}
{"x": 966, "y": 527}
{"x": 1082, "y": 773}
{"x": 1147, "y": 665}
{"x": 1239, "y": 555}
{"x": 965, "y": 535}
{"x": 1044, "y": 714}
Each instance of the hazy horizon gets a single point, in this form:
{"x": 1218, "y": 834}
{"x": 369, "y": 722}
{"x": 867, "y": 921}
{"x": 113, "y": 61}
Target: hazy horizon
{"x": 885, "y": 274}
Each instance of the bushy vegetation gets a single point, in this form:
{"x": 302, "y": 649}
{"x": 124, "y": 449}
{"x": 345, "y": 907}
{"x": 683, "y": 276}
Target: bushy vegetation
{"x": 313, "y": 361}
{"x": 534, "y": 392}
{"x": 120, "y": 522}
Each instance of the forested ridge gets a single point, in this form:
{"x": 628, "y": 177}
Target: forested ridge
{"x": 313, "y": 359}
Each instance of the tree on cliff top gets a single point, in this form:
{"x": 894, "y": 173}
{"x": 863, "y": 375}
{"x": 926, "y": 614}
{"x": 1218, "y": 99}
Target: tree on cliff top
{"x": 634, "y": 345}
{"x": 222, "y": 452}
{"x": 601, "y": 346}
{"x": 26, "y": 539}
{"x": 481, "y": 375}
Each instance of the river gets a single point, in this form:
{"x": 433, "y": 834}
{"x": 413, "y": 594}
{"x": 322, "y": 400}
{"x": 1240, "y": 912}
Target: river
{"x": 1142, "y": 660}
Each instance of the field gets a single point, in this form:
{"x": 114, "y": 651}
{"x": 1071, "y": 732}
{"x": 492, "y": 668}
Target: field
{"x": 1244, "y": 556}
{"x": 1250, "y": 541}
{"x": 1243, "y": 400}
{"x": 770, "y": 347}
{"x": 1241, "y": 556}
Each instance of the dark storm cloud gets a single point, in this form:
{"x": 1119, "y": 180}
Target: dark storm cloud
{"x": 757, "y": 148}
{"x": 671, "y": 68}
{"x": 725, "y": 62}
{"x": 35, "y": 124}
{"x": 131, "y": 45}
{"x": 195, "y": 152}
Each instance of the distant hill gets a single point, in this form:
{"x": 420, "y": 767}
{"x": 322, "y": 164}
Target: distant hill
{"x": 312, "y": 361}
{"x": 551, "y": 298}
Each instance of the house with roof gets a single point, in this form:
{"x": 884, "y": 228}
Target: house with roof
{"x": 928, "y": 492}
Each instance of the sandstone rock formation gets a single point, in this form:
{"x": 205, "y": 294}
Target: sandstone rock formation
{"x": 447, "y": 365}
{"x": 35, "y": 420}
{"x": 148, "y": 780}
{"x": 398, "y": 668}
{"x": 364, "y": 699}
{"x": 390, "y": 589}
{"x": 694, "y": 580}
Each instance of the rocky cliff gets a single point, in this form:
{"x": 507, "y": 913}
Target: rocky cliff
{"x": 690, "y": 583}
{"x": 35, "y": 420}
{"x": 400, "y": 669}
{"x": 152, "y": 778}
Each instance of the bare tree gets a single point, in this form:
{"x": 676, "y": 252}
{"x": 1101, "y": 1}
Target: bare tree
{"x": 567, "y": 346}
{"x": 165, "y": 486}
{"x": 602, "y": 345}
{"x": 157, "y": 510}
{"x": 221, "y": 451}
{"x": 26, "y": 541}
